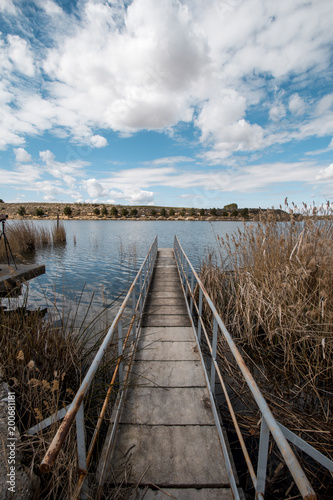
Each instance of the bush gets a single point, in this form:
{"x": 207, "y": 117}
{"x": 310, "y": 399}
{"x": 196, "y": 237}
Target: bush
{"x": 153, "y": 212}
{"x": 134, "y": 212}
{"x": 182, "y": 213}
{"x": 114, "y": 212}
{"x": 202, "y": 212}
{"x": 21, "y": 211}
{"x": 124, "y": 212}
{"x": 230, "y": 207}
{"x": 171, "y": 212}
{"x": 192, "y": 212}
{"x": 39, "y": 212}
{"x": 213, "y": 211}
{"x": 67, "y": 211}
{"x": 104, "y": 211}
{"x": 163, "y": 212}
{"x": 96, "y": 211}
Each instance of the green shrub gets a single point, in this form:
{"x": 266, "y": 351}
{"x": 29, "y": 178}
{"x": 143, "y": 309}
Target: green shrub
{"x": 67, "y": 211}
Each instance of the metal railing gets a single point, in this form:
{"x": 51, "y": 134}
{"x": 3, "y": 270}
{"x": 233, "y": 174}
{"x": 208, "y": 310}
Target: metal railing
{"x": 195, "y": 295}
{"x": 135, "y": 299}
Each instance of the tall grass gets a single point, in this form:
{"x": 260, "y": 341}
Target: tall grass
{"x": 44, "y": 365}
{"x": 273, "y": 289}
{"x": 59, "y": 233}
{"x": 25, "y": 237}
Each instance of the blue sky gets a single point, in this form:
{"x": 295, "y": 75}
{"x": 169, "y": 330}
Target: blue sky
{"x": 170, "y": 102}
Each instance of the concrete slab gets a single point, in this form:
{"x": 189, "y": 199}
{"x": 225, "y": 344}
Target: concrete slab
{"x": 168, "y": 351}
{"x": 168, "y": 406}
{"x": 172, "y": 333}
{"x": 170, "y": 374}
{"x": 184, "y": 494}
{"x": 166, "y": 320}
{"x": 176, "y": 456}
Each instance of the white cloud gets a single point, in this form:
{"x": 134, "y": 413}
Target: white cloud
{"x": 326, "y": 173}
{"x": 296, "y": 105}
{"x": 277, "y": 112}
{"x": 97, "y": 141}
{"x": 22, "y": 156}
{"x": 95, "y": 188}
{"x": 141, "y": 197}
{"x": 67, "y": 172}
{"x": 151, "y": 65}
{"x": 8, "y": 7}
{"x": 20, "y": 55}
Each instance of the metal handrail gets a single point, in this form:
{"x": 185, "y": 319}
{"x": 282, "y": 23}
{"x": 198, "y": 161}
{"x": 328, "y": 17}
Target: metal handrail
{"x": 269, "y": 425}
{"x": 75, "y": 410}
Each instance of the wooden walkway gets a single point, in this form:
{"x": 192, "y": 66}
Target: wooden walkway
{"x": 167, "y": 435}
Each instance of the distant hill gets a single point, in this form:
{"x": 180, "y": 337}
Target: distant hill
{"x": 143, "y": 212}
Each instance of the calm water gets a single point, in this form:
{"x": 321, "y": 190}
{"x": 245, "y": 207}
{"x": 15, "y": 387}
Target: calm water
{"x": 101, "y": 258}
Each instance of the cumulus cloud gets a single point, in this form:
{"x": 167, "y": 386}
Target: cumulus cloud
{"x": 20, "y": 55}
{"x": 296, "y": 105}
{"x": 129, "y": 66}
{"x": 97, "y": 141}
{"x": 22, "y": 156}
{"x": 95, "y": 189}
{"x": 326, "y": 173}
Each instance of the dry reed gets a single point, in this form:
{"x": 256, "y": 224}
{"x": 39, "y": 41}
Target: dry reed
{"x": 25, "y": 237}
{"x": 59, "y": 233}
{"x": 273, "y": 290}
{"x": 44, "y": 366}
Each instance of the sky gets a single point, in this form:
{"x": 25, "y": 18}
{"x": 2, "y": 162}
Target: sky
{"x": 185, "y": 103}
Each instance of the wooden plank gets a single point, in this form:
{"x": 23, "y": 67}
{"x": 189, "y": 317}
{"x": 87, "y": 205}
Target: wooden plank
{"x": 167, "y": 433}
{"x": 10, "y": 277}
{"x": 170, "y": 456}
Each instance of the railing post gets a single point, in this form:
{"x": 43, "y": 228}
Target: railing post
{"x": 133, "y": 313}
{"x": 192, "y": 290}
{"x": 141, "y": 294}
{"x": 120, "y": 352}
{"x": 262, "y": 458}
{"x": 81, "y": 440}
{"x": 212, "y": 364}
{"x": 81, "y": 449}
{"x": 200, "y": 315}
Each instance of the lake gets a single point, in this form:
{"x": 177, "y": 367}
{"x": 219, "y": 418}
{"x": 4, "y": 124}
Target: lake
{"x": 101, "y": 257}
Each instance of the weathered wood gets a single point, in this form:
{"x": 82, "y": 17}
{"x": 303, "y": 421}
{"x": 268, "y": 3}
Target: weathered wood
{"x": 167, "y": 431}
{"x": 12, "y": 278}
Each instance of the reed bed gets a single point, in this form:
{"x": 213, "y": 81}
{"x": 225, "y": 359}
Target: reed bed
{"x": 25, "y": 237}
{"x": 273, "y": 290}
{"x": 59, "y": 233}
{"x": 44, "y": 365}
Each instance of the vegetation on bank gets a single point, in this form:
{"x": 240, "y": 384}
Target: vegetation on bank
{"x": 105, "y": 211}
{"x": 273, "y": 289}
{"x": 25, "y": 237}
{"x": 44, "y": 365}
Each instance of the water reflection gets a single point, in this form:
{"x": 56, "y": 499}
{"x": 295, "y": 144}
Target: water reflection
{"x": 101, "y": 258}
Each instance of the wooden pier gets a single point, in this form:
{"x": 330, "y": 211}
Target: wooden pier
{"x": 167, "y": 443}
{"x": 12, "y": 277}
